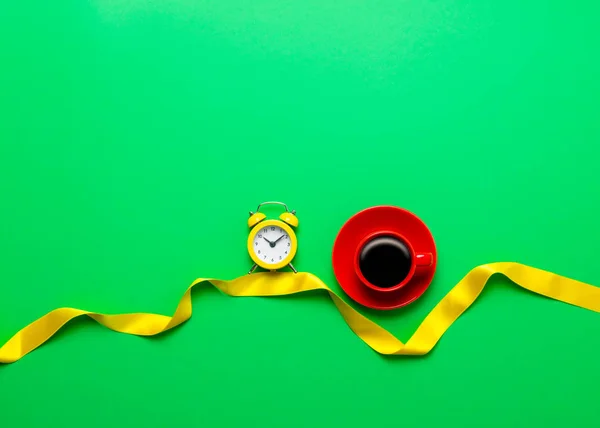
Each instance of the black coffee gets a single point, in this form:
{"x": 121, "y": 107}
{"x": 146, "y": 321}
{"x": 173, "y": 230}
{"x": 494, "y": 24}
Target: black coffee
{"x": 385, "y": 261}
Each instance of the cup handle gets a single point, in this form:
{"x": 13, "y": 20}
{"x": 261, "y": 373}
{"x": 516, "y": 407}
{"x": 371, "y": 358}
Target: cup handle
{"x": 424, "y": 259}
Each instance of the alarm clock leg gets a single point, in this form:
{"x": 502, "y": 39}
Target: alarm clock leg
{"x": 253, "y": 269}
{"x": 292, "y": 268}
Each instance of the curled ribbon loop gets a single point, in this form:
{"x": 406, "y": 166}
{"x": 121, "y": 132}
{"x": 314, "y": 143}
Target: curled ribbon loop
{"x": 276, "y": 284}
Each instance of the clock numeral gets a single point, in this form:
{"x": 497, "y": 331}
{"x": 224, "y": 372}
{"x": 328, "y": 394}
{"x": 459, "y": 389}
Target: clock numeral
{"x": 256, "y": 244}
{"x": 258, "y": 251}
{"x": 286, "y": 252}
{"x": 272, "y": 260}
{"x": 272, "y": 229}
{"x": 265, "y": 256}
{"x": 266, "y": 230}
{"x": 289, "y": 244}
{"x": 279, "y": 257}
{"x": 259, "y": 236}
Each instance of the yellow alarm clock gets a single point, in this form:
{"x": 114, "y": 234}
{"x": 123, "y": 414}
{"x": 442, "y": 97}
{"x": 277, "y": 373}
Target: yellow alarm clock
{"x": 272, "y": 244}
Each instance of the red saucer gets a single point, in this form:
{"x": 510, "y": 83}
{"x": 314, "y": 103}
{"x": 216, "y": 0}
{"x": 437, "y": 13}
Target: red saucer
{"x": 367, "y": 222}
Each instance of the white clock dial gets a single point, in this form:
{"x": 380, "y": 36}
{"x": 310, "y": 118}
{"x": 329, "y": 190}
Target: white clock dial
{"x": 272, "y": 244}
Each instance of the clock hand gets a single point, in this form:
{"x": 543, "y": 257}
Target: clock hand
{"x": 278, "y": 239}
{"x": 271, "y": 244}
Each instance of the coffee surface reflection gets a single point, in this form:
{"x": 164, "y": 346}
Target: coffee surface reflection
{"x": 385, "y": 261}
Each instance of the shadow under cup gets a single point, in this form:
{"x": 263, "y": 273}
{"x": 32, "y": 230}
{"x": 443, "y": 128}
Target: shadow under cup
{"x": 386, "y": 261}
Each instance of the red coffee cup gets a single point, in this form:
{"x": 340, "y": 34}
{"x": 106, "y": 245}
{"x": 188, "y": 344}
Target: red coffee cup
{"x": 384, "y": 257}
{"x": 386, "y": 261}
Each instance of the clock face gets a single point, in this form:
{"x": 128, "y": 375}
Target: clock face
{"x": 272, "y": 245}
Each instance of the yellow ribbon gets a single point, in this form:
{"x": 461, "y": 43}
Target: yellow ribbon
{"x": 277, "y": 284}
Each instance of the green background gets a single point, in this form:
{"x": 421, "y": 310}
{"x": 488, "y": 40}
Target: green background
{"x": 135, "y": 137}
